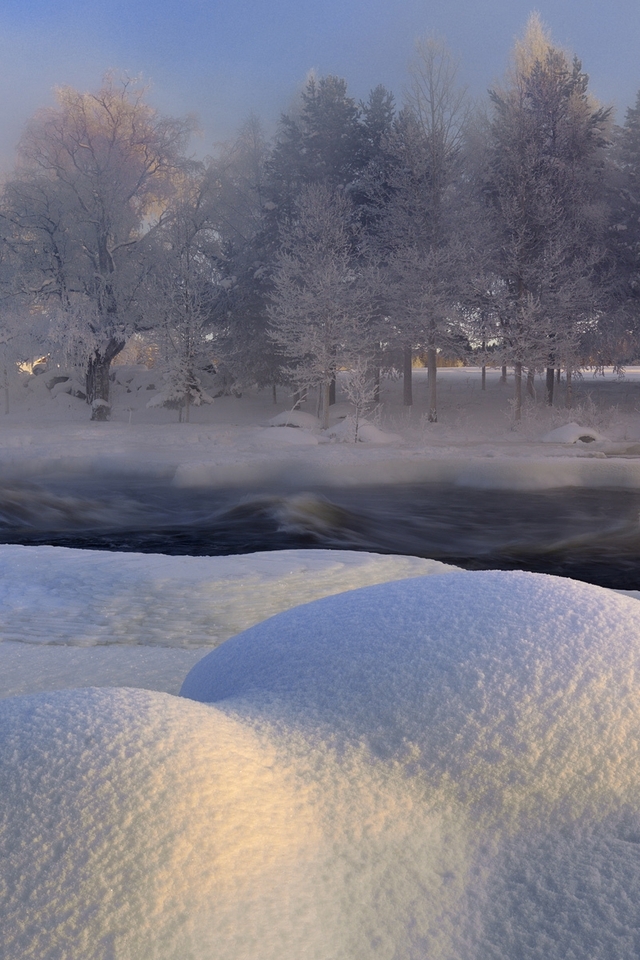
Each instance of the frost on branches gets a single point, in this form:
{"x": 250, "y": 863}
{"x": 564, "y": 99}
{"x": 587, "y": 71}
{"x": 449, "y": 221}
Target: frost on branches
{"x": 318, "y": 305}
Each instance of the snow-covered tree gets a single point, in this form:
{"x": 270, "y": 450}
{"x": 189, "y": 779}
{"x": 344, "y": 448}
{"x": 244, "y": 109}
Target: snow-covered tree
{"x": 318, "y": 306}
{"x": 93, "y": 177}
{"x": 181, "y": 291}
{"x": 247, "y": 233}
{"x": 418, "y": 244}
{"x": 542, "y": 185}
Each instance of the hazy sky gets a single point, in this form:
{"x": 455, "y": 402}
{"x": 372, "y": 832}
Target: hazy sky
{"x": 223, "y": 59}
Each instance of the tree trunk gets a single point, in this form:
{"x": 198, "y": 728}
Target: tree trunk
{"x": 97, "y": 378}
{"x": 517, "y": 408}
{"x": 484, "y": 377}
{"x": 326, "y": 394}
{"x": 274, "y": 393}
{"x": 551, "y": 377}
{"x": 377, "y": 364}
{"x": 568, "y": 397}
{"x": 432, "y": 370}
{"x": 503, "y": 373}
{"x": 531, "y": 390}
{"x": 407, "y": 372}
{"x": 332, "y": 392}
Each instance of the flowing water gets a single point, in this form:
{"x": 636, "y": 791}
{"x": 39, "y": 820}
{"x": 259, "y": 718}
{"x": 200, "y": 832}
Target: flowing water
{"x": 588, "y": 534}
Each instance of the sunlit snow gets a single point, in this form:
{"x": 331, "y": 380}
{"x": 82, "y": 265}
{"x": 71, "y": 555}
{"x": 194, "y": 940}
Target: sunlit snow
{"x": 444, "y": 766}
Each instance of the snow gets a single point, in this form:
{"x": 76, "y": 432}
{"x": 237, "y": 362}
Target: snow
{"x": 406, "y": 761}
{"x": 442, "y": 767}
{"x": 83, "y": 617}
{"x": 572, "y": 433}
{"x": 475, "y": 442}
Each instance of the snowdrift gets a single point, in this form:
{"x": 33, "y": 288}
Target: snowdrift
{"x": 441, "y": 767}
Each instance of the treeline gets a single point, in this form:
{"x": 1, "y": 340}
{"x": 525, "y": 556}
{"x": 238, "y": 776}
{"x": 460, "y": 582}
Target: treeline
{"x": 363, "y": 234}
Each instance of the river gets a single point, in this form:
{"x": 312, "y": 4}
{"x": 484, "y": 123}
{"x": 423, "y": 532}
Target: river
{"x": 588, "y": 534}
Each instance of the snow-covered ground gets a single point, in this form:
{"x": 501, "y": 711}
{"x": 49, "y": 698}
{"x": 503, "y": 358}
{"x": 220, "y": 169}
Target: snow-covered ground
{"x": 232, "y": 441}
{"x": 442, "y": 767}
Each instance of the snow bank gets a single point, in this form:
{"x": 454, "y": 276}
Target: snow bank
{"x": 73, "y": 618}
{"x": 139, "y": 825}
{"x": 295, "y": 418}
{"x": 437, "y": 767}
{"x": 572, "y": 433}
{"x": 508, "y": 704}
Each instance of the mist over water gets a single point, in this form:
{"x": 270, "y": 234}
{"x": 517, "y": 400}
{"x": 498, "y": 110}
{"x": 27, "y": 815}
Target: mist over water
{"x": 587, "y": 534}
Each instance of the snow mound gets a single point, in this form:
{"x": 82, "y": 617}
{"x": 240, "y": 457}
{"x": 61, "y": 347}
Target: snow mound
{"x": 572, "y": 433}
{"x": 502, "y": 712}
{"x": 294, "y": 418}
{"x": 138, "y": 824}
{"x": 437, "y": 767}
{"x": 286, "y": 436}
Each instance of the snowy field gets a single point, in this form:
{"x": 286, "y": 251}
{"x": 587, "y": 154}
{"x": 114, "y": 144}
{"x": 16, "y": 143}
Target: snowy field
{"x": 438, "y": 765}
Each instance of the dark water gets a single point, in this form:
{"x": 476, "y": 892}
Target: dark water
{"x": 588, "y": 534}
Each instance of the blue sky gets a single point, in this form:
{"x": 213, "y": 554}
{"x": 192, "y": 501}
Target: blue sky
{"x": 223, "y": 59}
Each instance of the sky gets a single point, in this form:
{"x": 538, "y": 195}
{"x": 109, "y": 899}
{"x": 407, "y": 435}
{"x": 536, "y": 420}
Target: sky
{"x": 224, "y": 59}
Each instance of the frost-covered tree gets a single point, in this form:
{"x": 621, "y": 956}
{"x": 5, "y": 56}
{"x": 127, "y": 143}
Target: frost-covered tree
{"x": 318, "y": 306}
{"x": 619, "y": 330}
{"x": 418, "y": 243}
{"x": 93, "y": 177}
{"x": 181, "y": 291}
{"x": 542, "y": 185}
{"x": 247, "y": 233}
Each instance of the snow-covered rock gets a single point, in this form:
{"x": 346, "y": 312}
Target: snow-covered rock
{"x": 572, "y": 433}
{"x": 286, "y": 436}
{"x": 137, "y": 824}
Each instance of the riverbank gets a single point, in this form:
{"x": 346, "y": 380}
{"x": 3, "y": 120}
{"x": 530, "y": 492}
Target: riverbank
{"x": 243, "y": 441}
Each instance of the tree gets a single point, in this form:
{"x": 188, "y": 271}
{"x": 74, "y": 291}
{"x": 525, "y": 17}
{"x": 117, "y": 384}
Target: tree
{"x": 181, "y": 292}
{"x": 546, "y": 138}
{"x": 321, "y": 143}
{"x": 418, "y": 244}
{"x": 94, "y": 175}
{"x": 248, "y": 239}
{"x": 618, "y": 336}
{"x": 318, "y": 308}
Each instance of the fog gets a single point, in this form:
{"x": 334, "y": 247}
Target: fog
{"x": 224, "y": 61}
